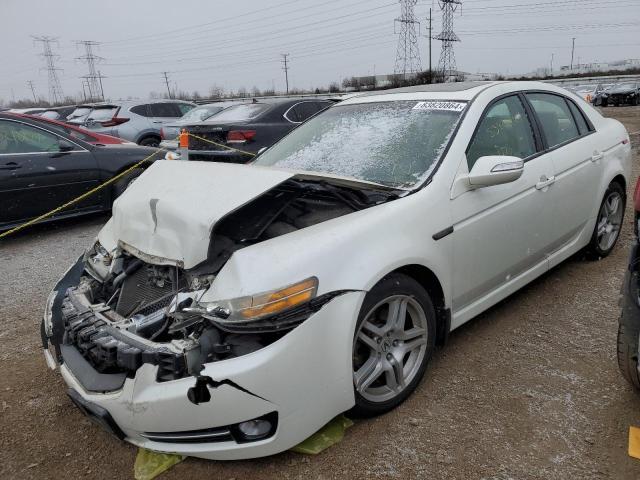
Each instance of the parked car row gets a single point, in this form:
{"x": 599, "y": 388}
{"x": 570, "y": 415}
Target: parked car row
{"x": 615, "y": 95}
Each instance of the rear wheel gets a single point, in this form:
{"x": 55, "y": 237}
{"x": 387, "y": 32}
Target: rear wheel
{"x": 392, "y": 345}
{"x": 609, "y": 221}
{"x": 150, "y": 142}
{"x": 628, "y": 332}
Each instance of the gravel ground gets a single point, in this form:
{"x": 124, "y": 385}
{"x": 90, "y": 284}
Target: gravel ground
{"x": 530, "y": 389}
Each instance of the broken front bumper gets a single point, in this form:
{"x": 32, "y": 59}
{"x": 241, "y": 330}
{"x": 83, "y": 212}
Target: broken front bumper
{"x": 303, "y": 380}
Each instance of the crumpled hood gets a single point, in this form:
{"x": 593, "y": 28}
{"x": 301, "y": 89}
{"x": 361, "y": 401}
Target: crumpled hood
{"x": 621, "y": 89}
{"x": 170, "y": 210}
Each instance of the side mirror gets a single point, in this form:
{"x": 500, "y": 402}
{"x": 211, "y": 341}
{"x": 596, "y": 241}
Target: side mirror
{"x": 495, "y": 170}
{"x": 65, "y": 146}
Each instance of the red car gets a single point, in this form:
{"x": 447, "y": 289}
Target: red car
{"x": 77, "y": 132}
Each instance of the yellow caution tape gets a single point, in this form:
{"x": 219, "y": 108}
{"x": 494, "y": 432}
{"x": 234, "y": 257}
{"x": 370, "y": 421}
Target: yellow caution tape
{"x": 87, "y": 194}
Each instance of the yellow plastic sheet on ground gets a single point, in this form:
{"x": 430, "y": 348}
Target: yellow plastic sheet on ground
{"x": 330, "y": 434}
{"x": 634, "y": 442}
{"x": 151, "y": 464}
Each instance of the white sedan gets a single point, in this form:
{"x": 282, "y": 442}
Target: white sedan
{"x": 230, "y": 311}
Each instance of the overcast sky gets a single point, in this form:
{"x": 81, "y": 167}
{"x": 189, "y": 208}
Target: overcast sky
{"x": 238, "y": 43}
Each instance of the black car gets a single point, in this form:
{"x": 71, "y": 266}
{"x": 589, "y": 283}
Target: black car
{"x": 249, "y": 127}
{"x": 622, "y": 94}
{"x": 629, "y": 323}
{"x": 43, "y": 168}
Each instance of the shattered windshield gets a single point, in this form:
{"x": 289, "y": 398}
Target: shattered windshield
{"x": 392, "y": 143}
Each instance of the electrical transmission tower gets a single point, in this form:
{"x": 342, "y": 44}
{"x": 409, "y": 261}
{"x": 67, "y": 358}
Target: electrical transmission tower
{"x": 285, "y": 67}
{"x": 33, "y": 90}
{"x": 407, "y": 53}
{"x": 93, "y": 78}
{"x": 55, "y": 89}
{"x": 447, "y": 64}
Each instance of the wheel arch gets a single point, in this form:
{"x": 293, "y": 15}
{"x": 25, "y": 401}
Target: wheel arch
{"x": 430, "y": 282}
{"x": 619, "y": 178}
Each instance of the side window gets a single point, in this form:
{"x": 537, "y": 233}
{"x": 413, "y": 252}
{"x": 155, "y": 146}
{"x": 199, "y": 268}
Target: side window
{"x": 140, "y": 110}
{"x": 20, "y": 138}
{"x": 555, "y": 118}
{"x": 583, "y": 127}
{"x": 167, "y": 110}
{"x": 184, "y": 108}
{"x": 505, "y": 129}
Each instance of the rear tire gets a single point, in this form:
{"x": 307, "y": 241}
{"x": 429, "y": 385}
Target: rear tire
{"x": 628, "y": 332}
{"x": 608, "y": 223}
{"x": 150, "y": 142}
{"x": 125, "y": 182}
{"x": 393, "y": 343}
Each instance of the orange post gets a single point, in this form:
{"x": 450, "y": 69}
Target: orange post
{"x": 184, "y": 139}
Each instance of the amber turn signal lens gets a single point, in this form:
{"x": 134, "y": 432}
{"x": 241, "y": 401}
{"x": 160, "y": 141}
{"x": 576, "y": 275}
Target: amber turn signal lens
{"x": 280, "y": 300}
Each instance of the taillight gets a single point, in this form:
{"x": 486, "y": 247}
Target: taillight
{"x": 114, "y": 121}
{"x": 240, "y": 136}
{"x": 162, "y": 133}
{"x": 636, "y": 196}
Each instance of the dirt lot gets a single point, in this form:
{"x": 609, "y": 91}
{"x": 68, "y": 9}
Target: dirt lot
{"x": 529, "y": 389}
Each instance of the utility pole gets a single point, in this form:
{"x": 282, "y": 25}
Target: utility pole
{"x": 33, "y": 90}
{"x": 55, "y": 89}
{"x": 166, "y": 80}
{"x": 573, "y": 49}
{"x": 90, "y": 59}
{"x": 430, "y": 35}
{"x": 552, "y": 55}
{"x": 447, "y": 64}
{"x": 407, "y": 52}
{"x": 286, "y": 69}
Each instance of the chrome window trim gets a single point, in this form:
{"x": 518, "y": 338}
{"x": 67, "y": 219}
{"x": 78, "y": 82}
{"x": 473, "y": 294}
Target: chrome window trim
{"x": 293, "y": 106}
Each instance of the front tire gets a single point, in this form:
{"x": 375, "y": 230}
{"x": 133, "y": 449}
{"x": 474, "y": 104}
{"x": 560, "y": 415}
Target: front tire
{"x": 150, "y": 142}
{"x": 393, "y": 343}
{"x": 609, "y": 222}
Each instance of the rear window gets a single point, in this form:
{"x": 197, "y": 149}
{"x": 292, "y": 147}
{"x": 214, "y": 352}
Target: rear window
{"x": 201, "y": 113}
{"x": 102, "y": 114}
{"x": 241, "y": 113}
{"x": 79, "y": 112}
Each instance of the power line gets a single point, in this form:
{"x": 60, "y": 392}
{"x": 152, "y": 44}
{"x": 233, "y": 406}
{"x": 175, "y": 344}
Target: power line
{"x": 93, "y": 81}
{"x": 55, "y": 89}
{"x": 407, "y": 52}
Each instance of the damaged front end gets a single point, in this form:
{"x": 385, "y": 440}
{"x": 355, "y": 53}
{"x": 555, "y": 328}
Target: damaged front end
{"x": 120, "y": 309}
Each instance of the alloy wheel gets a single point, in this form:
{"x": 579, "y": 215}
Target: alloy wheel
{"x": 389, "y": 348}
{"x": 609, "y": 221}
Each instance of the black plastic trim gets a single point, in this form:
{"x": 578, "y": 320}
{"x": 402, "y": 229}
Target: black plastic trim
{"x": 443, "y": 233}
{"x": 96, "y": 414}
{"x": 90, "y": 379}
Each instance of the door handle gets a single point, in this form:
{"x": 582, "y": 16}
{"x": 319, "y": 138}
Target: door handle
{"x": 10, "y": 166}
{"x": 545, "y": 182}
{"x": 597, "y": 156}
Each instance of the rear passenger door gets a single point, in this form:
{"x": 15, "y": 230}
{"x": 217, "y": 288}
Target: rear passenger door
{"x": 572, "y": 144}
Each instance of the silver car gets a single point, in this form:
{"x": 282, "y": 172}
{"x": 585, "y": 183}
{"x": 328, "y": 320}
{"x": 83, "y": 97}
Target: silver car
{"x": 170, "y": 131}
{"x": 138, "y": 122}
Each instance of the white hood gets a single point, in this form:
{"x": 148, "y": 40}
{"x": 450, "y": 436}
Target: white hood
{"x": 170, "y": 210}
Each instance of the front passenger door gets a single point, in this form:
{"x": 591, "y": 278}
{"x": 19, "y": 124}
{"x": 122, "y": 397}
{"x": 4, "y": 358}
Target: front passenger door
{"x": 502, "y": 232}
{"x": 36, "y": 176}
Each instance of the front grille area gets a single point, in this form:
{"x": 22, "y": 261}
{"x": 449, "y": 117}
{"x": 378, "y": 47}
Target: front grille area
{"x": 193, "y": 436}
{"x": 109, "y": 350}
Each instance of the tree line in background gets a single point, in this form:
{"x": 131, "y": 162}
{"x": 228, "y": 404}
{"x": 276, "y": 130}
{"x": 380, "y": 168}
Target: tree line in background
{"x": 351, "y": 84}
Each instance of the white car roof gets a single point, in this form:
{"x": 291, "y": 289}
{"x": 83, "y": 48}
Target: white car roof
{"x": 463, "y": 91}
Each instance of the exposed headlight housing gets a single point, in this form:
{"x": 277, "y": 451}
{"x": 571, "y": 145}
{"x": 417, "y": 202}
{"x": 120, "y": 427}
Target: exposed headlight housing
{"x": 260, "y": 308}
